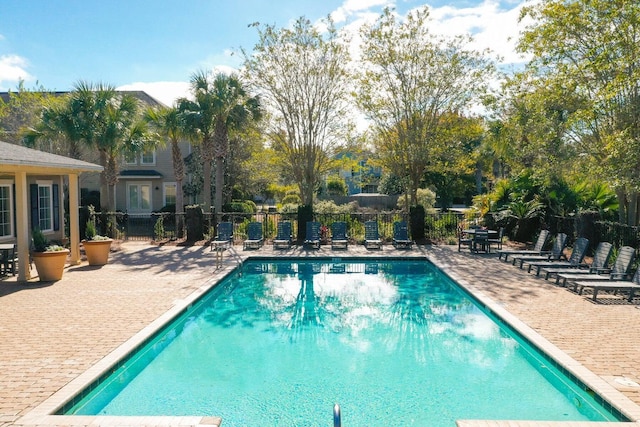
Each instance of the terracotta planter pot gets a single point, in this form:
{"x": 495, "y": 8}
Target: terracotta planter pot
{"x": 97, "y": 251}
{"x": 50, "y": 265}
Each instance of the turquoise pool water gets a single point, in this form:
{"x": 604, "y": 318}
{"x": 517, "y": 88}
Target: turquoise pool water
{"x": 393, "y": 342}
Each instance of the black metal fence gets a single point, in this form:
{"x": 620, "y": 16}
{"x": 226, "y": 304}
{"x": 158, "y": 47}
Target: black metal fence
{"x": 438, "y": 226}
{"x": 160, "y": 226}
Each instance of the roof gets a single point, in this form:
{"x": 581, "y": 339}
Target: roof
{"x": 138, "y": 94}
{"x": 12, "y": 155}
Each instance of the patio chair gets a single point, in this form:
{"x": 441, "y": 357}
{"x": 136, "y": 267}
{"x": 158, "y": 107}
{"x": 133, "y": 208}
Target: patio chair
{"x": 464, "y": 239}
{"x": 313, "y": 234}
{"x": 557, "y": 252}
{"x": 283, "y": 238}
{"x": 255, "y": 238}
{"x": 371, "y": 236}
{"x": 574, "y": 261}
{"x": 224, "y": 236}
{"x": 480, "y": 241}
{"x": 599, "y": 263}
{"x": 401, "y": 235}
{"x": 619, "y": 271}
{"x": 498, "y": 239}
{"x": 9, "y": 260}
{"x": 610, "y": 285}
{"x": 339, "y": 237}
{"x": 537, "y": 248}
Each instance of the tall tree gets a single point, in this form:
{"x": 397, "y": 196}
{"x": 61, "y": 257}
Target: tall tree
{"x": 593, "y": 47}
{"x": 168, "y": 127}
{"x": 410, "y": 78}
{"x": 301, "y": 74}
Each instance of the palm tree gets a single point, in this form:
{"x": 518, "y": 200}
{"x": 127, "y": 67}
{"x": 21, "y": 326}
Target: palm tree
{"x": 221, "y": 105}
{"x": 169, "y": 126}
{"x": 109, "y": 122}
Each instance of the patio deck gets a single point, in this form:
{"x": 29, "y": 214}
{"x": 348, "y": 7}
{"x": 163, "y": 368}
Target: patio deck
{"x": 50, "y": 334}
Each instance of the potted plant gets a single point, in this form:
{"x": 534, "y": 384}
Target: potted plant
{"x": 96, "y": 247}
{"x": 49, "y": 259}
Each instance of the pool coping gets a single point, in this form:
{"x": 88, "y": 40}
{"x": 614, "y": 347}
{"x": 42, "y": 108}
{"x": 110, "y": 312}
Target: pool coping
{"x": 43, "y": 414}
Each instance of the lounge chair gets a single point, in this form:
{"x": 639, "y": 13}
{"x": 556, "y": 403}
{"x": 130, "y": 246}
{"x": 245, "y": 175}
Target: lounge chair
{"x": 619, "y": 271}
{"x": 557, "y": 252}
{"x": 401, "y": 235}
{"x": 339, "y": 237}
{"x": 598, "y": 265}
{"x": 610, "y": 285}
{"x": 283, "y": 238}
{"x": 574, "y": 261}
{"x": 313, "y": 234}
{"x": 224, "y": 236}
{"x": 537, "y": 248}
{"x": 255, "y": 238}
{"x": 371, "y": 236}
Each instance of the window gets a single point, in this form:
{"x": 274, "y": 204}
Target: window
{"x": 139, "y": 197}
{"x": 45, "y": 206}
{"x": 6, "y": 209}
{"x": 169, "y": 193}
{"x": 148, "y": 158}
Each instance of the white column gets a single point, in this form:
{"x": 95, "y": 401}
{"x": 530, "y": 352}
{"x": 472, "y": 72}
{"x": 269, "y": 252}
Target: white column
{"x": 23, "y": 237}
{"x": 74, "y": 219}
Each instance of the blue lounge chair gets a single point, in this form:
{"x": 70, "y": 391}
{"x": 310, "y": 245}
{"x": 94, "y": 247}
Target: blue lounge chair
{"x": 610, "y": 285}
{"x": 574, "y": 261}
{"x": 254, "y": 236}
{"x": 619, "y": 271}
{"x": 224, "y": 236}
{"x": 599, "y": 263}
{"x": 401, "y": 235}
{"x": 371, "y": 236}
{"x": 557, "y": 252}
{"x": 313, "y": 234}
{"x": 537, "y": 248}
{"x": 339, "y": 237}
{"x": 283, "y": 238}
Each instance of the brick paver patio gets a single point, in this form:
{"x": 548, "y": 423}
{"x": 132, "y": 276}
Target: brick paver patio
{"x": 51, "y": 333}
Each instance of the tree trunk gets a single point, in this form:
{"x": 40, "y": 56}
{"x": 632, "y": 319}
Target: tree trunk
{"x": 219, "y": 183}
{"x": 104, "y": 187}
{"x": 622, "y": 203}
{"x": 632, "y": 210}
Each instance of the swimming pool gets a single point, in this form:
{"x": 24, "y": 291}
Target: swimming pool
{"x": 391, "y": 341}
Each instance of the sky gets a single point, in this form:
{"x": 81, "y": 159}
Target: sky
{"x": 157, "y": 45}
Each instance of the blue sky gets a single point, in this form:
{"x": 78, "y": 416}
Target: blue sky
{"x": 156, "y": 45}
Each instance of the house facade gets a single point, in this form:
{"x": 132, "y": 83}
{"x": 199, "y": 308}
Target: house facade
{"x": 146, "y": 181}
{"x": 32, "y": 185}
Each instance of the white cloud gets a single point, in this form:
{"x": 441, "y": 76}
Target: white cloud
{"x": 12, "y": 70}
{"x": 351, "y": 7}
{"x": 491, "y": 26}
{"x": 165, "y": 92}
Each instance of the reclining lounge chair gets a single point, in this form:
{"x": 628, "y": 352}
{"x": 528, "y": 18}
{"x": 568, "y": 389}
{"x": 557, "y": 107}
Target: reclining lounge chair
{"x": 537, "y": 248}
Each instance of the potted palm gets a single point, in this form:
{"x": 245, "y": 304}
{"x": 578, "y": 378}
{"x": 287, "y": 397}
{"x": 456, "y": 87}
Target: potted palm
{"x": 96, "y": 247}
{"x": 49, "y": 258}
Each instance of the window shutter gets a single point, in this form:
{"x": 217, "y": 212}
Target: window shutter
{"x": 56, "y": 206}
{"x": 35, "y": 216}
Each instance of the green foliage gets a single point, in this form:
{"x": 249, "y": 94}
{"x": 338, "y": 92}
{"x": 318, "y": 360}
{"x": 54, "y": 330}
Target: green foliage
{"x": 336, "y": 186}
{"x": 245, "y": 206}
{"x": 291, "y": 199}
{"x": 426, "y": 199}
{"x": 329, "y": 207}
{"x": 90, "y": 230}
{"x": 40, "y": 241}
{"x": 158, "y": 228}
{"x": 391, "y": 184}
